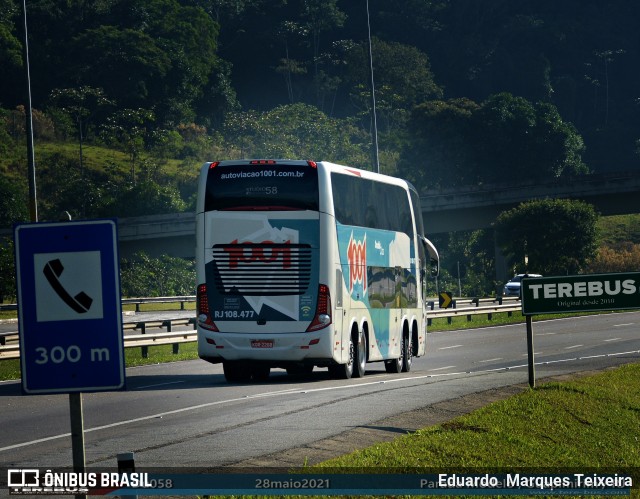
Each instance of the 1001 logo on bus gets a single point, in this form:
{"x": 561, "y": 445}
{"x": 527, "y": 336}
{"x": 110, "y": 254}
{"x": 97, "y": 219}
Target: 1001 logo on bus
{"x": 258, "y": 252}
{"x": 357, "y": 258}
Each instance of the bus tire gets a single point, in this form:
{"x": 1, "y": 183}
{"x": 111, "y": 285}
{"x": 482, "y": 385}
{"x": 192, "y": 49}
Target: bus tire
{"x": 407, "y": 353}
{"x": 360, "y": 356}
{"x": 236, "y": 372}
{"x": 345, "y": 371}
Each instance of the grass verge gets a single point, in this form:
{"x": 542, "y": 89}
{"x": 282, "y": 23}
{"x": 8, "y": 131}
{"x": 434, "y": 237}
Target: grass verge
{"x": 590, "y": 425}
{"x": 592, "y": 422}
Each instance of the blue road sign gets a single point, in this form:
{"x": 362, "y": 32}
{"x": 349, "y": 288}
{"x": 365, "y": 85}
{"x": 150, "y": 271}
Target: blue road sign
{"x": 69, "y": 308}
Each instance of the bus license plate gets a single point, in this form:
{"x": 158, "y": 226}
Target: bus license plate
{"x": 261, "y": 343}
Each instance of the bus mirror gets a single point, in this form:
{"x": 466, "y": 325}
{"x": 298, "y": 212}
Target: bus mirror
{"x": 435, "y": 267}
{"x": 434, "y": 258}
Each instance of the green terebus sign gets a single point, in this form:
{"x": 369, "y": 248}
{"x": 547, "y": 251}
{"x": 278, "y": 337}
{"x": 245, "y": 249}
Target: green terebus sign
{"x": 580, "y": 293}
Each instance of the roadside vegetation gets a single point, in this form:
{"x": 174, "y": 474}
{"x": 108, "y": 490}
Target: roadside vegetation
{"x": 588, "y": 424}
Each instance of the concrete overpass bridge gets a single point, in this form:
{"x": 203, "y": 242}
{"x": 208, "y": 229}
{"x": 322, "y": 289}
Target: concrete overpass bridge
{"x": 471, "y": 208}
{"x": 464, "y": 208}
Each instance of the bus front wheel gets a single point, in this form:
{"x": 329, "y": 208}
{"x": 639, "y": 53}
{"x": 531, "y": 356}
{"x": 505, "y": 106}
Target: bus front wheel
{"x": 360, "y": 358}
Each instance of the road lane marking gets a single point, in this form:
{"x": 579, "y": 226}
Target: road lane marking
{"x": 573, "y": 346}
{"x": 442, "y": 368}
{"x": 624, "y": 325}
{"x": 159, "y": 384}
{"x": 613, "y": 339}
{"x": 303, "y": 391}
{"x": 447, "y": 348}
{"x": 492, "y": 360}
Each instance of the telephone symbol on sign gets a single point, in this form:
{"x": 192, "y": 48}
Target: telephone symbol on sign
{"x": 80, "y": 303}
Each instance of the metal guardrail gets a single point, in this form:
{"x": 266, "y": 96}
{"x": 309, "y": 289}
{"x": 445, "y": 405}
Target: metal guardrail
{"x": 159, "y": 299}
{"x": 131, "y": 301}
{"x": 9, "y": 346}
{"x": 450, "y": 313}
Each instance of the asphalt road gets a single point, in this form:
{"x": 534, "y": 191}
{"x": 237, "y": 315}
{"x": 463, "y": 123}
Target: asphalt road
{"x": 184, "y": 414}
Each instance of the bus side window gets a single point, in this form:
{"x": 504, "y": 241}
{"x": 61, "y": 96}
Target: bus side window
{"x": 371, "y": 217}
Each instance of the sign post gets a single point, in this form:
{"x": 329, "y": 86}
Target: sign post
{"x": 70, "y": 316}
{"x": 576, "y": 293}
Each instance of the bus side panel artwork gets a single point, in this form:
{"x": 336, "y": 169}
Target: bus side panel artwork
{"x": 379, "y": 277}
{"x": 263, "y": 268}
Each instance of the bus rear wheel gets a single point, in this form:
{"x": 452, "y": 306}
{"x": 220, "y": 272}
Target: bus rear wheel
{"x": 407, "y": 354}
{"x": 360, "y": 358}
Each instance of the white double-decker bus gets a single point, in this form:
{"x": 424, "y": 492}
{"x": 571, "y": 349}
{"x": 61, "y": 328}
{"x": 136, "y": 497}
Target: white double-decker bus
{"x": 303, "y": 264}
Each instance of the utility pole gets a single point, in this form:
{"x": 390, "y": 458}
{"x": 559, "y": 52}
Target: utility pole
{"x": 374, "y": 122}
{"x": 33, "y": 203}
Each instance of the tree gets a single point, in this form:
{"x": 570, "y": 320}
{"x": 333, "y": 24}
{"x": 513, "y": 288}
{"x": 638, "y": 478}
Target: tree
{"x": 142, "y": 275}
{"x": 319, "y": 16}
{"x": 295, "y": 131}
{"x": 516, "y": 140}
{"x": 504, "y": 139}
{"x": 145, "y": 198}
{"x": 440, "y": 148}
{"x": 13, "y": 208}
{"x": 10, "y": 57}
{"x": 128, "y": 129}
{"x": 132, "y": 76}
{"x": 14, "y": 201}
{"x": 555, "y": 236}
{"x": 80, "y": 104}
{"x": 402, "y": 75}
{"x": 7, "y": 269}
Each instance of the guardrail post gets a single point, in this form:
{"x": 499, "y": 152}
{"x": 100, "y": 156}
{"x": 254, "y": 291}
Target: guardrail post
{"x": 175, "y": 346}
{"x": 144, "y": 350}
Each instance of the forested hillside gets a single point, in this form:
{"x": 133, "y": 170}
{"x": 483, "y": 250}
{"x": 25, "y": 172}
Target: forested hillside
{"x": 130, "y": 96}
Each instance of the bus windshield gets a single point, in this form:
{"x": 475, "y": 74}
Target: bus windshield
{"x": 262, "y": 187}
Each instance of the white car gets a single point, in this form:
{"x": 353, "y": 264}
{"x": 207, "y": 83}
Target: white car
{"x": 512, "y": 288}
